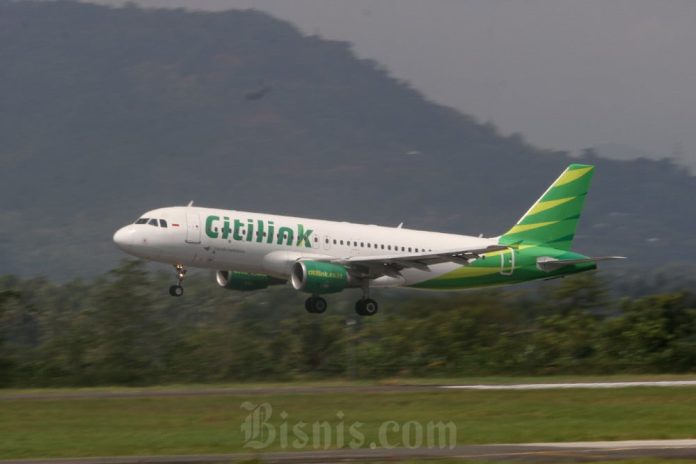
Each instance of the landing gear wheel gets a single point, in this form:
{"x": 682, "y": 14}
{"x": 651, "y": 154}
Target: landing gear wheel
{"x": 315, "y": 304}
{"x": 366, "y": 307}
{"x": 176, "y": 290}
{"x": 319, "y": 305}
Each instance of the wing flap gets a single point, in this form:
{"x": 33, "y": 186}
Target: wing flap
{"x": 391, "y": 265}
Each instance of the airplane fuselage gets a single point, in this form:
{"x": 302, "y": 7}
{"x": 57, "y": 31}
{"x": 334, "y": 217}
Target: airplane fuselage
{"x": 270, "y": 244}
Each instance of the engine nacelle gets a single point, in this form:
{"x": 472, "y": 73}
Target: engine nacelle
{"x": 245, "y": 281}
{"x": 317, "y": 277}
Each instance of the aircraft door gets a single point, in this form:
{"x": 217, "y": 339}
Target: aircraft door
{"x": 193, "y": 228}
{"x": 507, "y": 262}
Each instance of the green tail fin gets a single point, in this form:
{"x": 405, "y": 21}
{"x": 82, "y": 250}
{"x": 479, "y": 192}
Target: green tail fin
{"x": 552, "y": 220}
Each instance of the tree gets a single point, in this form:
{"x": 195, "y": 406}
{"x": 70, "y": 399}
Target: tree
{"x": 655, "y": 332}
{"x": 6, "y": 362}
{"x": 125, "y": 334}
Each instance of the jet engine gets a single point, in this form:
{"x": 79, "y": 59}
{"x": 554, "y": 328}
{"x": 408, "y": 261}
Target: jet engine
{"x": 245, "y": 281}
{"x": 318, "y": 277}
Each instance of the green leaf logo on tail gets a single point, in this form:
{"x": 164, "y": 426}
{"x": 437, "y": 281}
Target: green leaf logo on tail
{"x": 552, "y": 220}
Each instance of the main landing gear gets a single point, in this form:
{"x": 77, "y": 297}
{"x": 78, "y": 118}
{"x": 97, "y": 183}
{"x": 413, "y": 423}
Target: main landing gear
{"x": 315, "y": 304}
{"x": 364, "y": 306}
{"x": 178, "y": 290}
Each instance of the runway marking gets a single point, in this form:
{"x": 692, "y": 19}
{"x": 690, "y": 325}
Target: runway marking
{"x": 299, "y": 389}
{"x": 554, "y": 386}
{"x": 620, "y": 444}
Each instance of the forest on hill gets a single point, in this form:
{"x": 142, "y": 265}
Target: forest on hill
{"x": 108, "y": 112}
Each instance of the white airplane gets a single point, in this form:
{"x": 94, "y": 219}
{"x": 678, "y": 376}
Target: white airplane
{"x": 251, "y": 251}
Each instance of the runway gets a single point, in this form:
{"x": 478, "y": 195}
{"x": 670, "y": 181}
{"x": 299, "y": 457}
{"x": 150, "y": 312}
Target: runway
{"x": 304, "y": 389}
{"x": 528, "y": 452}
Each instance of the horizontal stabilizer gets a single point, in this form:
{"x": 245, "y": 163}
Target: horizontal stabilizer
{"x": 548, "y": 264}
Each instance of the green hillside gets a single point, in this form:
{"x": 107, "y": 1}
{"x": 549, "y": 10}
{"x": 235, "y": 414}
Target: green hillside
{"x": 105, "y": 113}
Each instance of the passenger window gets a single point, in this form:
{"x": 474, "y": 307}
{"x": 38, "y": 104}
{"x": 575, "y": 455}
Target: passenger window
{"x": 334, "y": 241}
{"x": 163, "y": 223}
{"x": 141, "y": 221}
{"x": 388, "y": 247}
{"x": 403, "y": 248}
{"x": 369, "y": 246}
{"x": 152, "y": 222}
{"x": 383, "y": 247}
{"x": 341, "y": 242}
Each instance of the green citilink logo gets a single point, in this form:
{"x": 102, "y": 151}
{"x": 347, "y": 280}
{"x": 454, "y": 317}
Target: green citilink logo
{"x": 257, "y": 230}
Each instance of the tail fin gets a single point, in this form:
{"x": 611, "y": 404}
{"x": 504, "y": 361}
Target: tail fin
{"x": 552, "y": 220}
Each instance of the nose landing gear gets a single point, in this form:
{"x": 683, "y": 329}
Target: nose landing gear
{"x": 178, "y": 290}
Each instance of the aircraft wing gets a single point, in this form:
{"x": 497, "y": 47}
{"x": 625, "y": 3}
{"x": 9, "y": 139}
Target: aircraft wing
{"x": 391, "y": 265}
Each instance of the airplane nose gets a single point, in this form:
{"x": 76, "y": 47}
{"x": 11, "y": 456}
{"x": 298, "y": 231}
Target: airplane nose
{"x": 123, "y": 237}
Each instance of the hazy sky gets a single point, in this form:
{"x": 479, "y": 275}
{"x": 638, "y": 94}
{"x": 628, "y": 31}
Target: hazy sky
{"x": 567, "y": 74}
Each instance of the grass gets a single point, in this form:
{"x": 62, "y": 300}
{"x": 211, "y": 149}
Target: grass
{"x": 212, "y": 424}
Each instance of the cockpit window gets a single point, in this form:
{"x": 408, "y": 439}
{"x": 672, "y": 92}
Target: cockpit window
{"x": 152, "y": 222}
{"x": 163, "y": 223}
{"x": 141, "y": 221}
